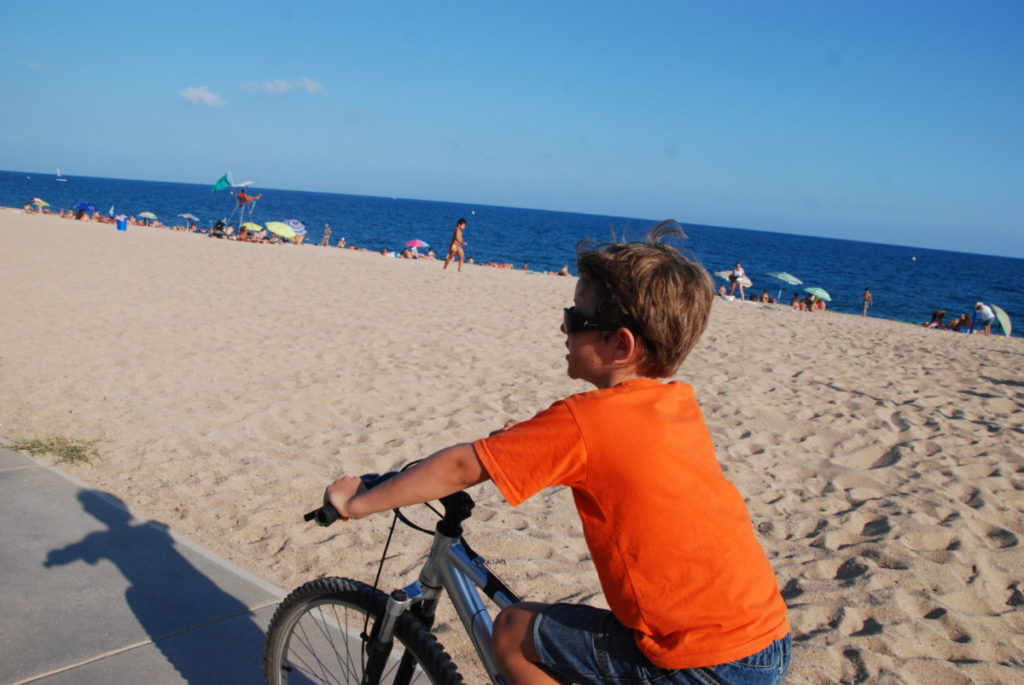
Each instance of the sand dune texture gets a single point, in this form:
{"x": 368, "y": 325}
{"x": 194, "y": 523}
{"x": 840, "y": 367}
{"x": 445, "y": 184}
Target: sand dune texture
{"x": 227, "y": 383}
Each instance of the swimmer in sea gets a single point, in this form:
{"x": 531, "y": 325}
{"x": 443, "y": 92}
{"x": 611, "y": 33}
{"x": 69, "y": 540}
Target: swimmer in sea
{"x": 455, "y": 247}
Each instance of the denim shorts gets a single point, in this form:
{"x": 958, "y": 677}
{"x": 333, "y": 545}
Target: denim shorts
{"x": 582, "y": 644}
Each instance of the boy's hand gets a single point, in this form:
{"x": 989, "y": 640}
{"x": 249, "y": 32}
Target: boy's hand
{"x": 340, "y": 493}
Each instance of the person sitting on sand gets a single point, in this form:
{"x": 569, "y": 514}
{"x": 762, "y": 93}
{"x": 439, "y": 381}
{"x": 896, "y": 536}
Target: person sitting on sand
{"x": 961, "y": 323}
{"x": 564, "y": 271}
{"x": 702, "y": 607}
{"x": 936, "y": 321}
{"x": 722, "y": 293}
{"x": 341, "y": 241}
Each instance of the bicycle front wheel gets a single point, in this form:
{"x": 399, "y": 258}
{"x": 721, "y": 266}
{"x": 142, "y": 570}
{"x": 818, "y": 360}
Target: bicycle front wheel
{"x": 319, "y": 634}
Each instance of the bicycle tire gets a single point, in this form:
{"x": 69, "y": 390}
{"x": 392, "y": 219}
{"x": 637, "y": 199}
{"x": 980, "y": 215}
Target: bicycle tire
{"x": 318, "y": 634}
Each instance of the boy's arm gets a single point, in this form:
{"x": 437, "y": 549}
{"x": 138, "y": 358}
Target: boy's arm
{"x": 442, "y": 473}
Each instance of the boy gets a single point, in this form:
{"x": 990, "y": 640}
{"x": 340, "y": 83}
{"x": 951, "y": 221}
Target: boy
{"x": 455, "y": 247}
{"x": 692, "y": 596}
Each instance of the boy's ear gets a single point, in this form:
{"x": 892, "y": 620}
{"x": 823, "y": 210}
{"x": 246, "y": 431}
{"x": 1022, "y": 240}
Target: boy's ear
{"x": 627, "y": 346}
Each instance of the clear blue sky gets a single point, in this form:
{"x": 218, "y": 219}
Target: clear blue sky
{"x": 894, "y": 121}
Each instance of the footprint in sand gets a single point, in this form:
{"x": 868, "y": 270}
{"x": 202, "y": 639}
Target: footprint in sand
{"x": 870, "y": 627}
{"x": 1002, "y": 538}
{"x": 973, "y": 499}
{"x": 850, "y": 569}
{"x": 879, "y": 526}
{"x": 794, "y": 589}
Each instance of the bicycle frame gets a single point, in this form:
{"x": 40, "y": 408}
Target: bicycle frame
{"x": 451, "y": 567}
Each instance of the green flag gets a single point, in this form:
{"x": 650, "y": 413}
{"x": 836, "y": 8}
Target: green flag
{"x": 222, "y": 183}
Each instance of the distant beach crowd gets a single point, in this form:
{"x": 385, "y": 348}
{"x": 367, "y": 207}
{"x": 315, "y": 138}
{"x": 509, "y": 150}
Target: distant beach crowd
{"x": 243, "y": 233}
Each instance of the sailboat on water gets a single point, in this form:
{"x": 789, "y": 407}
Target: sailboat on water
{"x": 61, "y": 178}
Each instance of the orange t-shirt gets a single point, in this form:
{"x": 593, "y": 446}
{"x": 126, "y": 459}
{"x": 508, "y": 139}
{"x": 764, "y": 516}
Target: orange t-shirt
{"x": 671, "y": 537}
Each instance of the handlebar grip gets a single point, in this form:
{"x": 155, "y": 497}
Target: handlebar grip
{"x": 327, "y": 514}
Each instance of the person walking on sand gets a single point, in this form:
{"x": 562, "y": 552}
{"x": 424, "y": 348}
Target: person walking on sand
{"x": 867, "y": 300}
{"x": 737, "y": 278}
{"x": 455, "y": 247}
{"x": 326, "y": 240}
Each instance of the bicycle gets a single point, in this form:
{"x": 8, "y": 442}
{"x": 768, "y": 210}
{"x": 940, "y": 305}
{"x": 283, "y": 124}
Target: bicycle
{"x": 338, "y": 630}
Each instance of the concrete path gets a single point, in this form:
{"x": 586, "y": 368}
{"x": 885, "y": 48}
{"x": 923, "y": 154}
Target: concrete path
{"x": 89, "y": 594}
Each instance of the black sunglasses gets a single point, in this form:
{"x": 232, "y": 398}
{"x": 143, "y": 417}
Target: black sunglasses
{"x": 574, "y": 322}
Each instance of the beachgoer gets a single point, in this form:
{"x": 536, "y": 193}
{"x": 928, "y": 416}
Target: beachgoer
{"x": 456, "y": 245}
{"x": 983, "y": 316}
{"x": 936, "y": 321}
{"x": 326, "y": 240}
{"x": 962, "y": 322}
{"x": 736, "y": 279}
{"x": 867, "y": 299}
{"x": 640, "y": 462}
{"x": 564, "y": 271}
{"x": 244, "y": 198}
{"x": 725, "y": 295}
{"x": 341, "y": 241}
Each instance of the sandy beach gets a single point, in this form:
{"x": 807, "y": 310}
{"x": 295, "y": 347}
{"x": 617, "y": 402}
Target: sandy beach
{"x": 225, "y": 384}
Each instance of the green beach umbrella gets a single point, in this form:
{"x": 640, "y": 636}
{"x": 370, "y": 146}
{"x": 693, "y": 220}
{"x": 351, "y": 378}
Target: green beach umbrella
{"x": 820, "y": 293}
{"x": 147, "y": 215}
{"x": 785, "y": 277}
{"x": 281, "y": 229}
{"x": 1003, "y": 318}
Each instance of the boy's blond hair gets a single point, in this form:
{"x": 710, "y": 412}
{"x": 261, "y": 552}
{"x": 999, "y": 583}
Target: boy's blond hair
{"x": 653, "y": 290}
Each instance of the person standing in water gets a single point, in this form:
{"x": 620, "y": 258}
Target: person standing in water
{"x": 867, "y": 300}
{"x": 455, "y": 247}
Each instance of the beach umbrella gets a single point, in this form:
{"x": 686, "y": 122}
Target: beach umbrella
{"x": 819, "y": 293}
{"x": 190, "y": 217}
{"x": 416, "y": 242}
{"x": 297, "y": 226}
{"x": 1003, "y": 318}
{"x": 38, "y": 202}
{"x": 785, "y": 278}
{"x": 85, "y": 207}
{"x": 252, "y": 226}
{"x": 147, "y": 215}
{"x": 281, "y": 229}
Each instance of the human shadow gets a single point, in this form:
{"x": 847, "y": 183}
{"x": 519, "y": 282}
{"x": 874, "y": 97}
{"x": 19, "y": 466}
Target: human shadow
{"x": 207, "y": 634}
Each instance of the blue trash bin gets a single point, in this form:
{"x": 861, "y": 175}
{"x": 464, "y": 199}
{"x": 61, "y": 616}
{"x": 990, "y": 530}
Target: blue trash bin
{"x": 122, "y": 223}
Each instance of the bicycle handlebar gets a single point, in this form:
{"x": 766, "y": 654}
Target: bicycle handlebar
{"x": 327, "y": 514}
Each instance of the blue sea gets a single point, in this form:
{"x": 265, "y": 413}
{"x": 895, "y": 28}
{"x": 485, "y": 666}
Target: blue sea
{"x": 907, "y": 283}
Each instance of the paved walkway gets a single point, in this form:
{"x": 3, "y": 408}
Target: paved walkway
{"x": 93, "y": 595}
